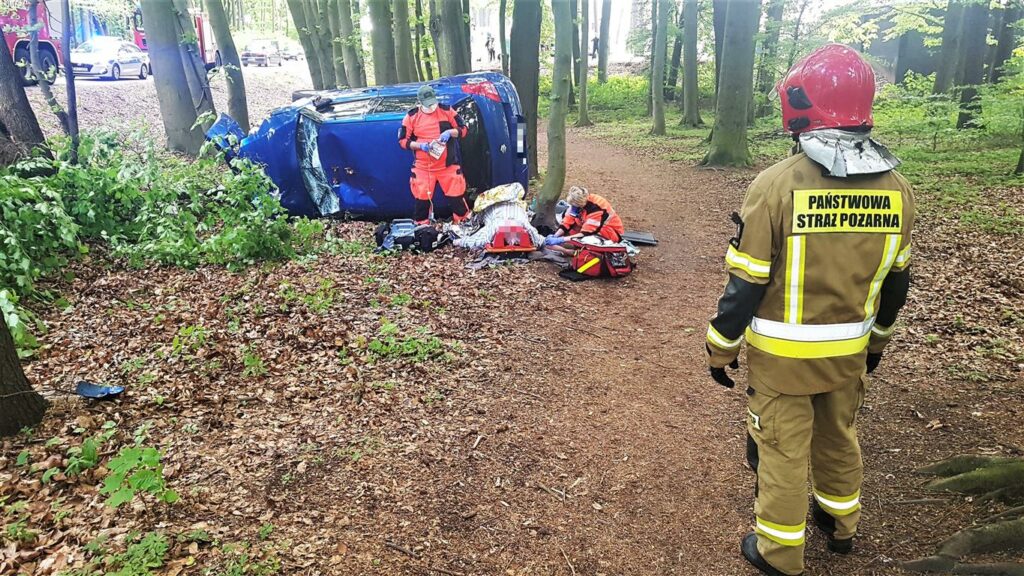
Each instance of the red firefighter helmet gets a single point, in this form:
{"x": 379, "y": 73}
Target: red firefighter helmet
{"x": 832, "y": 87}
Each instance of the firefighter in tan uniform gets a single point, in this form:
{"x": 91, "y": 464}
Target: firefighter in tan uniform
{"x": 818, "y": 271}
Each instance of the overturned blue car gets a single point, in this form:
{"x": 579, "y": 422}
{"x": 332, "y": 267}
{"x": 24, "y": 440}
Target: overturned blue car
{"x": 336, "y": 153}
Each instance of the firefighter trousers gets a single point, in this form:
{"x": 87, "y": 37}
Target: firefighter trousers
{"x": 788, "y": 431}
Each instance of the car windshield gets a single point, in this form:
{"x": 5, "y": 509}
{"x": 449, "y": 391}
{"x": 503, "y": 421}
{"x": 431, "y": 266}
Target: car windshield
{"x": 99, "y": 45}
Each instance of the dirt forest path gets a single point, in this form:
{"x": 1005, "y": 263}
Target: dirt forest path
{"x": 635, "y": 458}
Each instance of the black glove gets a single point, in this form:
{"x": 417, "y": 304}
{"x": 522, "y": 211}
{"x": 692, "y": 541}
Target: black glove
{"x": 873, "y": 361}
{"x": 719, "y": 375}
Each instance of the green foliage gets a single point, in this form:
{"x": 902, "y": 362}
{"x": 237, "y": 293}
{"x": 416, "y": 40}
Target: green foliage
{"x": 189, "y": 340}
{"x": 252, "y": 363}
{"x": 141, "y": 206}
{"x": 390, "y": 345}
{"x": 136, "y": 469}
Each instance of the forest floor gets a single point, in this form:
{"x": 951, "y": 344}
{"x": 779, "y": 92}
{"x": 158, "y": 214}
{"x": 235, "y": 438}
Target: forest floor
{"x": 360, "y": 414}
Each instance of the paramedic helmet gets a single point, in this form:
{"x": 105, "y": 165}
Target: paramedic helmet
{"x": 832, "y": 87}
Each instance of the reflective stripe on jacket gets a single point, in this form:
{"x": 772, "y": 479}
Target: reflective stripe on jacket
{"x": 818, "y": 272}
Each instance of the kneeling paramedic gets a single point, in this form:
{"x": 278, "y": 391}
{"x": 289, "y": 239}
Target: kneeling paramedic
{"x": 818, "y": 270}
{"x": 432, "y": 131}
{"x": 588, "y": 214}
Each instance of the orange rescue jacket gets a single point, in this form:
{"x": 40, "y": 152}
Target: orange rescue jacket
{"x": 418, "y": 126}
{"x": 596, "y": 217}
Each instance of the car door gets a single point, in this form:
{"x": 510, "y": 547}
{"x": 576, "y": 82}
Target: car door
{"x": 125, "y": 59}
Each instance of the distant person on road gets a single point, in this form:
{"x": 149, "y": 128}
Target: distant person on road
{"x": 588, "y": 214}
{"x": 595, "y": 45}
{"x": 818, "y": 271}
{"x": 432, "y": 131}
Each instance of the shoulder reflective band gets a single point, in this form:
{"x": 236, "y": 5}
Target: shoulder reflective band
{"x": 781, "y": 533}
{"x": 873, "y": 211}
{"x": 838, "y": 505}
{"x": 588, "y": 265}
{"x": 809, "y": 340}
{"x": 892, "y": 244}
{"x": 715, "y": 337}
{"x": 747, "y": 263}
{"x": 796, "y": 250}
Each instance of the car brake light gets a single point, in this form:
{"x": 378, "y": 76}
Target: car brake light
{"x": 485, "y": 89}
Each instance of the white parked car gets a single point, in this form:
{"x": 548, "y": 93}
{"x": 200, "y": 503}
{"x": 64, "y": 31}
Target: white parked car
{"x": 110, "y": 58}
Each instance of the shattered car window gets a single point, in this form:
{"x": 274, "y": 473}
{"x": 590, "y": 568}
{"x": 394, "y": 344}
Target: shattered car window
{"x": 395, "y": 104}
{"x": 312, "y": 170}
{"x": 350, "y": 109}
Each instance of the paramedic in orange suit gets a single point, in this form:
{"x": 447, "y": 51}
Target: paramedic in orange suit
{"x": 432, "y": 131}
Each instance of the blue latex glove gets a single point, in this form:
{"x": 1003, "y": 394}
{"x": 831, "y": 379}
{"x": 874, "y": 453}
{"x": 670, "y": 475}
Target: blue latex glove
{"x": 554, "y": 240}
{"x": 445, "y": 136}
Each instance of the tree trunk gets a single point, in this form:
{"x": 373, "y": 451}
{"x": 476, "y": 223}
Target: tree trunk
{"x": 176, "y": 106}
{"x": 350, "y": 45}
{"x": 450, "y": 41}
{"x": 333, "y": 23}
{"x": 19, "y": 129}
{"x": 1007, "y": 40}
{"x": 677, "y": 54}
{"x": 584, "y": 116}
{"x": 719, "y": 11}
{"x": 602, "y": 41}
{"x": 37, "y": 70}
{"x": 467, "y": 34}
{"x": 385, "y": 70}
{"x": 949, "y": 59}
{"x": 502, "y": 35}
{"x": 69, "y": 81}
{"x": 309, "y": 46}
{"x": 193, "y": 64}
{"x": 357, "y": 16}
{"x": 691, "y": 96}
{"x": 575, "y": 7}
{"x": 421, "y": 42}
{"x": 975, "y": 33}
{"x": 650, "y": 65}
{"x": 238, "y": 107}
{"x": 766, "y": 68}
{"x": 729, "y": 135}
{"x": 796, "y": 34}
{"x": 20, "y": 405}
{"x": 554, "y": 177}
{"x": 320, "y": 29}
{"x": 403, "y": 44}
{"x": 658, "y": 74}
{"x": 524, "y": 68}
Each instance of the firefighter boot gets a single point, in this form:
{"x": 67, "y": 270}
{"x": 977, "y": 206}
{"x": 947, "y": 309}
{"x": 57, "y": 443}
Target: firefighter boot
{"x": 748, "y": 546}
{"x": 827, "y": 524}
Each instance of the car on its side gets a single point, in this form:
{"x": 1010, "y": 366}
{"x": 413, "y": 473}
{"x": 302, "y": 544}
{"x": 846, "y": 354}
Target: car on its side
{"x": 262, "y": 53}
{"x": 336, "y": 153}
{"x": 111, "y": 58}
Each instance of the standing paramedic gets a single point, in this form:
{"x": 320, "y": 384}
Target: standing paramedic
{"x": 432, "y": 131}
{"x": 818, "y": 270}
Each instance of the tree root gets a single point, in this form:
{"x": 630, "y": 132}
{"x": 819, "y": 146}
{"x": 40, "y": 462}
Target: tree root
{"x": 997, "y": 537}
{"x": 962, "y": 464}
{"x": 1002, "y": 480}
{"x": 942, "y": 565}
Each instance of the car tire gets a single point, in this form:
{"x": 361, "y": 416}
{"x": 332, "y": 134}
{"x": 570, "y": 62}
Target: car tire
{"x": 143, "y": 72}
{"x": 115, "y": 72}
{"x": 21, "y": 60}
{"x": 48, "y": 64}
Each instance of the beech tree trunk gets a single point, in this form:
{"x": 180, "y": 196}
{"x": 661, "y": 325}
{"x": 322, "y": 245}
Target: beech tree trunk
{"x": 584, "y": 115}
{"x": 43, "y": 76}
{"x": 524, "y": 69}
{"x": 650, "y": 63}
{"x": 19, "y": 129}
{"x": 1007, "y": 40}
{"x": 503, "y": 35}
{"x": 719, "y": 10}
{"x": 677, "y": 54}
{"x": 796, "y": 34}
{"x": 403, "y": 43}
{"x": 691, "y": 95}
{"x": 554, "y": 177}
{"x": 172, "y": 88}
{"x": 337, "y": 41}
{"x": 320, "y": 33}
{"x": 351, "y": 44}
{"x": 193, "y": 64}
{"x": 602, "y": 41}
{"x": 973, "y": 46}
{"x": 729, "y": 135}
{"x": 949, "y": 58}
{"x": 309, "y": 46}
{"x": 658, "y": 73}
{"x": 69, "y": 81}
{"x": 421, "y": 41}
{"x": 768, "y": 64}
{"x": 238, "y": 106}
{"x": 385, "y": 70}
{"x": 20, "y": 405}
{"x": 357, "y": 15}
{"x": 451, "y": 42}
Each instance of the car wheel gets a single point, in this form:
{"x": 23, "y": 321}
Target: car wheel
{"x": 21, "y": 60}
{"x": 143, "y": 72}
{"x": 115, "y": 72}
{"x": 48, "y": 63}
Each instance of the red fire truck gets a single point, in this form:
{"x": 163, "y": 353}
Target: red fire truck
{"x": 207, "y": 45}
{"x": 15, "y": 30}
